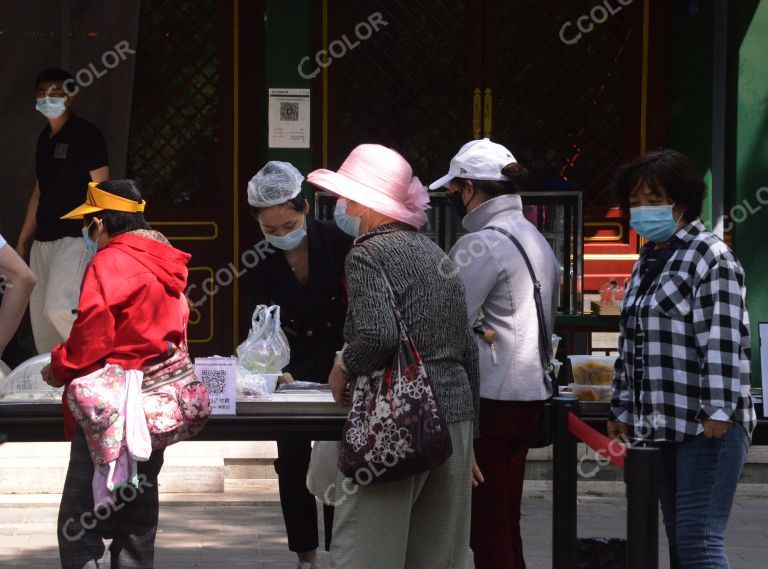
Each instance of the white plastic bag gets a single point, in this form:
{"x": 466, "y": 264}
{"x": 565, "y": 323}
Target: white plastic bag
{"x": 323, "y": 467}
{"x": 266, "y": 349}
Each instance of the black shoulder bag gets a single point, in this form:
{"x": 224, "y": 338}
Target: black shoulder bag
{"x": 544, "y": 437}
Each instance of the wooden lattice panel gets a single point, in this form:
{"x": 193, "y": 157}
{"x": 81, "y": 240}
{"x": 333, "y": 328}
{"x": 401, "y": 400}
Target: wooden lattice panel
{"x": 173, "y": 133}
{"x": 405, "y": 87}
{"x": 564, "y": 108}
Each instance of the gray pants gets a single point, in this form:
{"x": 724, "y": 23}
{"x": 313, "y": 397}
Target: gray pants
{"x": 131, "y": 523}
{"x": 59, "y": 266}
{"x": 421, "y": 522}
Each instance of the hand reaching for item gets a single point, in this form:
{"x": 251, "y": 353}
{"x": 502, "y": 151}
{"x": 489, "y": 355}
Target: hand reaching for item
{"x": 48, "y": 377}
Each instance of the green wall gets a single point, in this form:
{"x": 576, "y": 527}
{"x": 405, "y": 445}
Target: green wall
{"x": 689, "y": 99}
{"x": 289, "y": 38}
{"x": 749, "y": 37}
{"x": 689, "y": 110}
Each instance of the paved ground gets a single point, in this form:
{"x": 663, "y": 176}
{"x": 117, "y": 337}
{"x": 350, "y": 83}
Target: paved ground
{"x": 238, "y": 532}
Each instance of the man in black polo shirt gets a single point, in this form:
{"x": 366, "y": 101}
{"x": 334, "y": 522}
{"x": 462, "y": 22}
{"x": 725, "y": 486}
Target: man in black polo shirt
{"x": 70, "y": 153}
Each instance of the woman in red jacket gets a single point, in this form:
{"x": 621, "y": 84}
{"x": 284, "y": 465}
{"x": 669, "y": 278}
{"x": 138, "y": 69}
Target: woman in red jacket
{"x": 131, "y": 312}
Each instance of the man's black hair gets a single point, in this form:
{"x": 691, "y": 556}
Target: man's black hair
{"x": 53, "y": 75}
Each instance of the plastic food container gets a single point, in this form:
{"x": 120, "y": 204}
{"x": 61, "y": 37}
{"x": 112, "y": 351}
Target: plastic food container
{"x": 592, "y": 393}
{"x": 4, "y": 371}
{"x": 592, "y": 370}
{"x": 25, "y": 383}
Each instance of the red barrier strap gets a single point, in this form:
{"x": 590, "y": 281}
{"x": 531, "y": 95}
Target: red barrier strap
{"x": 610, "y": 449}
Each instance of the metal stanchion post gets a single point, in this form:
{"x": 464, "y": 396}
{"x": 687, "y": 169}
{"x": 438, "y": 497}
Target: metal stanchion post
{"x": 564, "y": 545}
{"x": 641, "y": 475}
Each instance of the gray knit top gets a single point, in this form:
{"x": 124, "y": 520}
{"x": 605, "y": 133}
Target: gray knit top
{"x": 430, "y": 297}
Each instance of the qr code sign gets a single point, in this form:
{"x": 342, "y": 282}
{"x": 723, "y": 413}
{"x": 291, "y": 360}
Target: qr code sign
{"x": 215, "y": 380}
{"x": 289, "y": 111}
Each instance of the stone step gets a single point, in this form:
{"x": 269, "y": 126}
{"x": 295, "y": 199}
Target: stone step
{"x": 266, "y": 450}
{"x": 228, "y": 466}
{"x": 190, "y": 466}
{"x": 255, "y": 493}
{"x": 46, "y": 475}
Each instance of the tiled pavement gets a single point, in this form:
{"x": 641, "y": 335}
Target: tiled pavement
{"x": 236, "y": 531}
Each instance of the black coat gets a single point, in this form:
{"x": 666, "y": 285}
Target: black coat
{"x": 315, "y": 311}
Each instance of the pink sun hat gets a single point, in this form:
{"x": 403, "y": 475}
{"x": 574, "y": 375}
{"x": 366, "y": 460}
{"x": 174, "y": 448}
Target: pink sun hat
{"x": 380, "y": 179}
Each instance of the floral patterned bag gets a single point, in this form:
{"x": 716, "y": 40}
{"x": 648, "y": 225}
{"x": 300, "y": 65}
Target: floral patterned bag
{"x": 176, "y": 402}
{"x": 395, "y": 428}
{"x": 97, "y": 402}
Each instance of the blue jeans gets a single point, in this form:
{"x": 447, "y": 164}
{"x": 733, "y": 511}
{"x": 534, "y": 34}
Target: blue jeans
{"x": 699, "y": 479}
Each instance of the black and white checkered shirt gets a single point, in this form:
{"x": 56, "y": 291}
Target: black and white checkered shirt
{"x": 684, "y": 347}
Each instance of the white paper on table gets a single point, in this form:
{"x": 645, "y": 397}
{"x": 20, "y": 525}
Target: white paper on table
{"x": 288, "y": 118}
{"x": 762, "y": 329}
{"x": 219, "y": 376}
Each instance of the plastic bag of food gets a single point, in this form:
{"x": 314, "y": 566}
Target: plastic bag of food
{"x": 323, "y": 467}
{"x": 251, "y": 385}
{"x": 266, "y": 349}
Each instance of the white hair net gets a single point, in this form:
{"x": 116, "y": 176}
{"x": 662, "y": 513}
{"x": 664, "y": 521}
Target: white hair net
{"x": 276, "y": 183}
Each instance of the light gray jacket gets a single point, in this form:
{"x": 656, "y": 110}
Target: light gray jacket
{"x": 498, "y": 282}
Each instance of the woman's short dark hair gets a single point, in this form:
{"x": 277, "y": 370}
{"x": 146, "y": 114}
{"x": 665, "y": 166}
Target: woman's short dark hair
{"x": 297, "y": 204}
{"x": 517, "y": 183}
{"x": 664, "y": 169}
{"x": 119, "y": 222}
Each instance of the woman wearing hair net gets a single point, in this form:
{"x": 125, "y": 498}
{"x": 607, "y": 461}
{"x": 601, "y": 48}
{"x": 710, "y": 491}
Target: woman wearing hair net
{"x": 303, "y": 274}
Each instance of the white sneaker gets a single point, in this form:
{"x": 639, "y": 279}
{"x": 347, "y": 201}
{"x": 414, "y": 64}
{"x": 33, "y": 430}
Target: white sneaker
{"x": 304, "y": 565}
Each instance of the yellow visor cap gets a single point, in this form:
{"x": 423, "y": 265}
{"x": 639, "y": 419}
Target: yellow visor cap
{"x": 99, "y": 200}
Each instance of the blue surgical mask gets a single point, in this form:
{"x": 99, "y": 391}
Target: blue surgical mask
{"x": 348, "y": 224}
{"x": 90, "y": 245}
{"x": 656, "y": 222}
{"x": 289, "y": 241}
{"x": 51, "y": 107}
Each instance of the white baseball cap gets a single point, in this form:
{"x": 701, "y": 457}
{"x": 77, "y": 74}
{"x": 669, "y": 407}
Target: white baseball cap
{"x": 477, "y": 160}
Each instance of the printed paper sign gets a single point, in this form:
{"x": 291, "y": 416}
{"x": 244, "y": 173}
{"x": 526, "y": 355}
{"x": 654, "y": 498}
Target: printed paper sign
{"x": 289, "y": 118}
{"x": 219, "y": 376}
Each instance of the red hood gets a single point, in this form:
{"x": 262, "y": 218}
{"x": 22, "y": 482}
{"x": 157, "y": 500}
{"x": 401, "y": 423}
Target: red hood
{"x": 167, "y": 263}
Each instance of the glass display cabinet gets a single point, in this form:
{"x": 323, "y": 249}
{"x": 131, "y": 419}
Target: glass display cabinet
{"x": 556, "y": 214}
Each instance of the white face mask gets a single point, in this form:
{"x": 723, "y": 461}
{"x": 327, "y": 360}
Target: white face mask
{"x": 289, "y": 241}
{"x": 51, "y": 107}
{"x": 90, "y": 244}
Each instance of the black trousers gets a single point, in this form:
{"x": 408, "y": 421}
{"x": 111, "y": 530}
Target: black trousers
{"x": 299, "y": 506}
{"x": 131, "y": 523}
